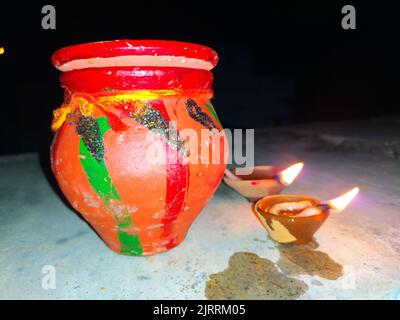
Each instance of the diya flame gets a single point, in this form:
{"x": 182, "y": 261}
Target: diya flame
{"x": 340, "y": 203}
{"x": 288, "y": 175}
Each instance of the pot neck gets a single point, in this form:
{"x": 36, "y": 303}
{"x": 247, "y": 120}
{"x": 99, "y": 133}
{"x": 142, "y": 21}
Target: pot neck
{"x": 159, "y": 80}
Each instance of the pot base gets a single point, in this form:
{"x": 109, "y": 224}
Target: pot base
{"x": 156, "y": 250}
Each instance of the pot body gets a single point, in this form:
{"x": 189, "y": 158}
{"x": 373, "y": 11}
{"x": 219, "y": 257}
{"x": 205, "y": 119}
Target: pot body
{"x": 138, "y": 165}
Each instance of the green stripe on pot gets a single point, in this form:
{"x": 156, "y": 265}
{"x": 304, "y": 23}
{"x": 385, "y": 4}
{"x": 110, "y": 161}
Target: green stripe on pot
{"x": 100, "y": 180}
{"x": 130, "y": 244}
{"x": 97, "y": 175}
{"x": 211, "y": 109}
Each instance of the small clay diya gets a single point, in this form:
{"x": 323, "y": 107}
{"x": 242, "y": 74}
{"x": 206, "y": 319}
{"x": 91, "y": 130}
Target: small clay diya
{"x": 284, "y": 226}
{"x": 262, "y": 181}
{"x": 296, "y": 218}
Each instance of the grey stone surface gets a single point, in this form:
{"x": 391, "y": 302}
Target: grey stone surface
{"x": 37, "y": 229}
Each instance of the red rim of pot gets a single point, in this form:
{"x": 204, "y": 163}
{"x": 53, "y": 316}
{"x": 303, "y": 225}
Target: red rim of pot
{"x": 96, "y": 80}
{"x": 116, "y": 48}
{"x": 106, "y": 78}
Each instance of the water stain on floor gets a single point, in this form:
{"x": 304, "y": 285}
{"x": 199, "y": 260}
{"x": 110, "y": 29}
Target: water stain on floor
{"x": 249, "y": 276}
{"x": 303, "y": 259}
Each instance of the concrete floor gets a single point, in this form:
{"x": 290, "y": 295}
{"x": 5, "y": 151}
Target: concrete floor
{"x": 38, "y": 229}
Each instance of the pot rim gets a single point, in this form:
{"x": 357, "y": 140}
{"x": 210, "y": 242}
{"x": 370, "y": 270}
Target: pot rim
{"x": 139, "y": 53}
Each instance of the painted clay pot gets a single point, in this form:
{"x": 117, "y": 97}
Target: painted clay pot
{"x": 122, "y": 153}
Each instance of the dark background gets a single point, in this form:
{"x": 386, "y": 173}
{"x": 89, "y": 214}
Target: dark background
{"x": 280, "y": 62}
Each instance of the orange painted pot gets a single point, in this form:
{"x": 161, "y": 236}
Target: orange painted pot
{"x": 138, "y": 149}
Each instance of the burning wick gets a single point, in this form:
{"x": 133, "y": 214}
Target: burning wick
{"x": 306, "y": 208}
{"x": 340, "y": 203}
{"x": 288, "y": 175}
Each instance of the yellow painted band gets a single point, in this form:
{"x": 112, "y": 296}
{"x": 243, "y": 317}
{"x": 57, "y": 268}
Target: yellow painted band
{"x": 86, "y": 107}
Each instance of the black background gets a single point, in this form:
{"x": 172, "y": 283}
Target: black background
{"x": 280, "y": 62}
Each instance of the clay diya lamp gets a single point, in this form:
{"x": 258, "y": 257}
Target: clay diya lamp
{"x": 295, "y": 218}
{"x": 262, "y": 181}
{"x": 118, "y": 94}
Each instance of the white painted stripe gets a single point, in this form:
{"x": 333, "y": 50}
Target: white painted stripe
{"x": 137, "y": 61}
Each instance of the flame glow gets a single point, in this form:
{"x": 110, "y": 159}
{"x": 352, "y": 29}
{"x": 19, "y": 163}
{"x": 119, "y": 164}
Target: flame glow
{"x": 288, "y": 175}
{"x": 341, "y": 202}
{"x": 1, "y": 50}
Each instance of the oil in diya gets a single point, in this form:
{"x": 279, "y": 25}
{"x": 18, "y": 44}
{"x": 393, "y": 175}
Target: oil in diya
{"x": 118, "y": 94}
{"x": 295, "y": 218}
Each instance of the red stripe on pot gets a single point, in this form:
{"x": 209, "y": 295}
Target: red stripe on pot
{"x": 177, "y": 183}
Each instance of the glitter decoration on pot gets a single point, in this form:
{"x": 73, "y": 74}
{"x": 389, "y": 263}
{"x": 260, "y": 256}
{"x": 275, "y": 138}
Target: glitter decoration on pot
{"x": 295, "y": 218}
{"x": 262, "y": 181}
{"x": 118, "y": 94}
